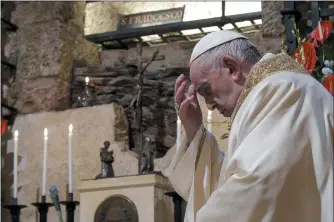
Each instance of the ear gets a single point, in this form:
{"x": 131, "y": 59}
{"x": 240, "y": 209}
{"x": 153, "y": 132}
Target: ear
{"x": 233, "y": 67}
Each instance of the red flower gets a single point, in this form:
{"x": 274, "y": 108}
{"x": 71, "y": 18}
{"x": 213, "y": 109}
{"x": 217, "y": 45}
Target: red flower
{"x": 306, "y": 55}
{"x": 3, "y": 126}
{"x": 328, "y": 83}
{"x": 326, "y": 28}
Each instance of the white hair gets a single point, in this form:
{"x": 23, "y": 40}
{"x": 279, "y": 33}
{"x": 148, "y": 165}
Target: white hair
{"x": 240, "y": 49}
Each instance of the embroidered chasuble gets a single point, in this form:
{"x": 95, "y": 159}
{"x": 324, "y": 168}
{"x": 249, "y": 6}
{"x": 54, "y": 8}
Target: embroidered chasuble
{"x": 279, "y": 163}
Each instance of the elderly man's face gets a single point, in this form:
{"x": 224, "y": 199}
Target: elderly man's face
{"x": 220, "y": 88}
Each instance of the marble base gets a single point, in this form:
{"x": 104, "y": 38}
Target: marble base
{"x": 146, "y": 192}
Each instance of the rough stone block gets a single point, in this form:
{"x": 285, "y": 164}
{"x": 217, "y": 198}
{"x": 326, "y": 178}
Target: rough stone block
{"x": 176, "y": 55}
{"x": 83, "y": 50}
{"x": 46, "y": 50}
{"x": 272, "y": 19}
{"x": 43, "y": 11}
{"x": 43, "y": 94}
{"x": 100, "y": 17}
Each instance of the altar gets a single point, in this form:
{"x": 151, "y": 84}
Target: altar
{"x": 138, "y": 198}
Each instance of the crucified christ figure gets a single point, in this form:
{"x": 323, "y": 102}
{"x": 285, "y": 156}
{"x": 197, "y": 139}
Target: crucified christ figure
{"x": 136, "y": 103}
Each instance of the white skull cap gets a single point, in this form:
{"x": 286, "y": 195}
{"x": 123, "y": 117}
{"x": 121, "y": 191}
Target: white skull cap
{"x": 212, "y": 40}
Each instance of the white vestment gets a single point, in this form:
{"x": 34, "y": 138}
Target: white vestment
{"x": 279, "y": 163}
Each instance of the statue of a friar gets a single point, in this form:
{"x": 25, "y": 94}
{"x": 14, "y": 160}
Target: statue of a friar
{"x": 146, "y": 161}
{"x": 107, "y": 159}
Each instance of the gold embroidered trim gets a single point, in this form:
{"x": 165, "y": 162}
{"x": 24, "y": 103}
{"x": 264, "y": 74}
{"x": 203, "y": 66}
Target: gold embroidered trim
{"x": 265, "y": 68}
{"x": 200, "y": 146}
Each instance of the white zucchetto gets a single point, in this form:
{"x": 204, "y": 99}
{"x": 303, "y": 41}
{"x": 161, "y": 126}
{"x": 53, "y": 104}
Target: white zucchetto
{"x": 212, "y": 40}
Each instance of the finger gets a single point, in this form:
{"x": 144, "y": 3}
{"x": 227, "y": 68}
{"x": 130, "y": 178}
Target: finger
{"x": 185, "y": 104}
{"x": 180, "y": 96}
{"x": 192, "y": 92}
{"x": 178, "y": 82}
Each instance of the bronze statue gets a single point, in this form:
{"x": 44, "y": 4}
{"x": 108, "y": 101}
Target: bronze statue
{"x": 136, "y": 103}
{"x": 147, "y": 157}
{"x": 106, "y": 162}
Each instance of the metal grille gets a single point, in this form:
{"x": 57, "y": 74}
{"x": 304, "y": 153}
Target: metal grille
{"x": 176, "y": 32}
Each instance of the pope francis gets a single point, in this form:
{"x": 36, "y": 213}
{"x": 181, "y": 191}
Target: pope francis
{"x": 279, "y": 163}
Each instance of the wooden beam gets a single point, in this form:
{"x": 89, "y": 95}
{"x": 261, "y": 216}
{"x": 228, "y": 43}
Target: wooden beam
{"x": 236, "y": 27}
{"x": 255, "y": 25}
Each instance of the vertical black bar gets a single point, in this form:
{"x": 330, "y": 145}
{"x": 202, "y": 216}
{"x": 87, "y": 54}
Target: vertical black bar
{"x": 177, "y": 209}
{"x": 70, "y": 208}
{"x": 288, "y": 16}
{"x": 15, "y": 214}
{"x": 315, "y": 14}
{"x": 43, "y": 213}
{"x": 223, "y": 8}
{"x": 177, "y": 200}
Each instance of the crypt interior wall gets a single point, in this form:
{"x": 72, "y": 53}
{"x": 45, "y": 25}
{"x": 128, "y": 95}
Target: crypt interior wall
{"x": 92, "y": 126}
{"x": 49, "y": 44}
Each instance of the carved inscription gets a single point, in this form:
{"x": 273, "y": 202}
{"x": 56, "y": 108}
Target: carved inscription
{"x": 116, "y": 209}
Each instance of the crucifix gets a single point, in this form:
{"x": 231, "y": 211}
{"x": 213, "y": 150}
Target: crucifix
{"x": 136, "y": 104}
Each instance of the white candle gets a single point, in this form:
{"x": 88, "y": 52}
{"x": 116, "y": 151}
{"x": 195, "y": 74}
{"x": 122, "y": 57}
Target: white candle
{"x": 44, "y": 161}
{"x": 16, "y": 134}
{"x": 178, "y": 133}
{"x": 209, "y": 120}
{"x": 87, "y": 80}
{"x": 70, "y": 133}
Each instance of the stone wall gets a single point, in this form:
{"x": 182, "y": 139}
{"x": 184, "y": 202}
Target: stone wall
{"x": 272, "y": 19}
{"x": 7, "y": 53}
{"x": 116, "y": 86}
{"x": 49, "y": 39}
{"x": 113, "y": 83}
{"x": 92, "y": 126}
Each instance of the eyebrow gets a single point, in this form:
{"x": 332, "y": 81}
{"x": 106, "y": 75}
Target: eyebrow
{"x": 201, "y": 87}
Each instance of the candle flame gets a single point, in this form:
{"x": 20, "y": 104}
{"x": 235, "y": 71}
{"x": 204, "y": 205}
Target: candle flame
{"x": 16, "y": 134}
{"x": 210, "y": 113}
{"x": 45, "y": 132}
{"x": 70, "y": 128}
{"x": 87, "y": 80}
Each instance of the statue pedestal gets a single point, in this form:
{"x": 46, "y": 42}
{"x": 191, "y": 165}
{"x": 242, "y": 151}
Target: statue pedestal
{"x": 139, "y": 198}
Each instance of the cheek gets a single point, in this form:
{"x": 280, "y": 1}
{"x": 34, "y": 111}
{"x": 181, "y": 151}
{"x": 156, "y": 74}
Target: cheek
{"x": 221, "y": 89}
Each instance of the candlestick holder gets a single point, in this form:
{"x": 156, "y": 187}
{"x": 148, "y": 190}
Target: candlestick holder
{"x": 177, "y": 200}
{"x": 43, "y": 208}
{"x": 70, "y": 207}
{"x": 15, "y": 210}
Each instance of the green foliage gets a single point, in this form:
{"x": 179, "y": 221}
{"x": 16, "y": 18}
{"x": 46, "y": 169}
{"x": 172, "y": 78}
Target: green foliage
{"x": 324, "y": 52}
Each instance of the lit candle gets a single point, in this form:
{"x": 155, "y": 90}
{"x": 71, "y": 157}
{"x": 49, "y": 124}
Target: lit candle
{"x": 178, "y": 133}
{"x": 87, "y": 80}
{"x": 209, "y": 120}
{"x": 16, "y": 139}
{"x": 44, "y": 161}
{"x": 70, "y": 133}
